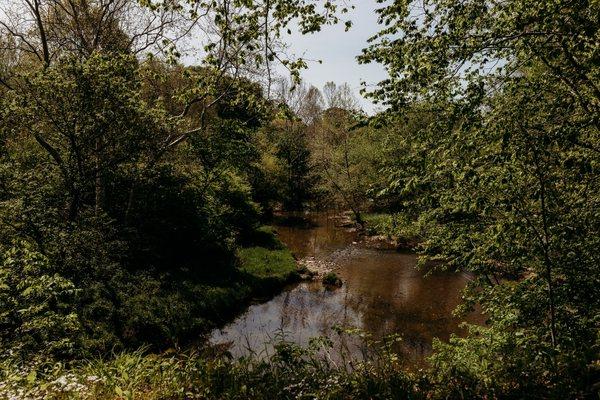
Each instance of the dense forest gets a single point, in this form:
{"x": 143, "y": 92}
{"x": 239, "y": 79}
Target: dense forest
{"x": 137, "y": 188}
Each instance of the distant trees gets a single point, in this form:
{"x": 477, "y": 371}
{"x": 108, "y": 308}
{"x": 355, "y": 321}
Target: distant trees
{"x": 341, "y": 97}
{"x": 340, "y": 152}
{"x": 297, "y": 178}
{"x": 337, "y": 159}
{"x": 315, "y": 139}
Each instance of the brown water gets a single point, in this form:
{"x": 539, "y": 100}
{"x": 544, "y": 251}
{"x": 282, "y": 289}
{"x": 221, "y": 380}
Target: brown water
{"x": 383, "y": 293}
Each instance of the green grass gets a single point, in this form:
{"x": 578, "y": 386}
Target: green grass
{"x": 266, "y": 263}
{"x": 265, "y": 257}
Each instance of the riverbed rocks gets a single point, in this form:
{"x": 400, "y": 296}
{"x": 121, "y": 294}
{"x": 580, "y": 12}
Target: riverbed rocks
{"x": 383, "y": 242}
{"x": 380, "y": 242}
{"x": 316, "y": 268}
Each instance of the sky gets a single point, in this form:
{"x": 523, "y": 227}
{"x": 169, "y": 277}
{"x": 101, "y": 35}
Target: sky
{"x": 338, "y": 50}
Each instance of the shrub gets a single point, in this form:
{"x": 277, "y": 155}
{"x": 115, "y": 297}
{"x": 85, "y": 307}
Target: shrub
{"x": 332, "y": 280}
{"x": 37, "y": 308}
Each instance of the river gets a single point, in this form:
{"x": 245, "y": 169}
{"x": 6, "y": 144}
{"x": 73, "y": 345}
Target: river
{"x": 383, "y": 293}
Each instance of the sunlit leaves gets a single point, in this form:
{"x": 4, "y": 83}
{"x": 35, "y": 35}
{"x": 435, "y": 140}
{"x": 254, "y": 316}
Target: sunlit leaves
{"x": 502, "y": 179}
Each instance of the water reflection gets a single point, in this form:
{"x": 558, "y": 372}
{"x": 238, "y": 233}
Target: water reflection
{"x": 383, "y": 293}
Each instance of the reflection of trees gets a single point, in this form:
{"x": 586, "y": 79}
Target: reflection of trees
{"x": 316, "y": 310}
{"x": 383, "y": 293}
{"x": 318, "y": 240}
{"x": 419, "y": 308}
{"x": 393, "y": 297}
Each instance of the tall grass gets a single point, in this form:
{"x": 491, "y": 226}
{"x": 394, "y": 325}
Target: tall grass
{"x": 291, "y": 372}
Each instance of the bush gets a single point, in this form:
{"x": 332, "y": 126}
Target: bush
{"x": 38, "y": 308}
{"x": 397, "y": 226}
{"x": 332, "y": 280}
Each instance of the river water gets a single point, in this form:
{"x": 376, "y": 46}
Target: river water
{"x": 383, "y": 293}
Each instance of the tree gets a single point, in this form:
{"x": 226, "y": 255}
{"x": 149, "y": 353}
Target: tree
{"x": 286, "y": 170}
{"x": 304, "y": 102}
{"x": 239, "y": 40}
{"x": 512, "y": 141}
{"x": 341, "y": 162}
{"x": 46, "y": 30}
{"x": 340, "y": 97}
{"x": 88, "y": 120}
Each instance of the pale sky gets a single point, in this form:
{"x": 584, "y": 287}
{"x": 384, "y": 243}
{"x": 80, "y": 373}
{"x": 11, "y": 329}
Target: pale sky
{"x": 338, "y": 50}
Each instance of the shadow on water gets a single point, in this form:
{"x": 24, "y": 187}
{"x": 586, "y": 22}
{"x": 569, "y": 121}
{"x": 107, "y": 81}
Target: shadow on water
{"x": 383, "y": 293}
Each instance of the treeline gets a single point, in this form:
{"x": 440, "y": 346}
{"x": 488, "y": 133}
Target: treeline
{"x": 342, "y": 156}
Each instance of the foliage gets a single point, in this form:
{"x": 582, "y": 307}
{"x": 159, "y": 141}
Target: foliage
{"x": 146, "y": 239}
{"x": 331, "y": 279}
{"x": 502, "y": 364}
{"x": 291, "y": 372}
{"x": 37, "y": 308}
{"x": 287, "y": 175}
{"x": 503, "y": 180}
{"x": 132, "y": 189}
